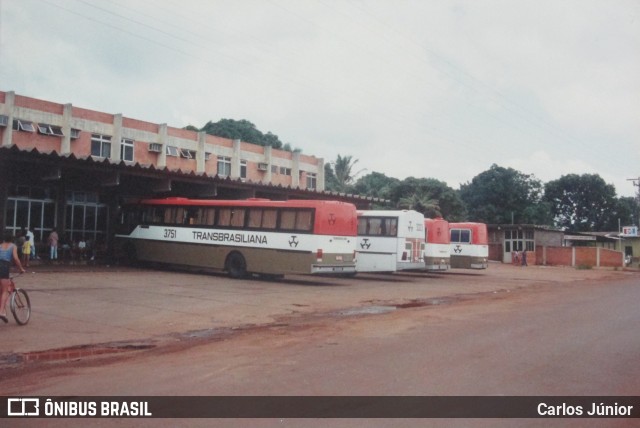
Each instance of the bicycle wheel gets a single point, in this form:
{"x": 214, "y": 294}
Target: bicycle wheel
{"x": 20, "y": 306}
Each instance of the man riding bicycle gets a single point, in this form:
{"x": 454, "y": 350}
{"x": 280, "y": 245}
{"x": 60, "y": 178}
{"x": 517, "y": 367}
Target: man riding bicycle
{"x": 8, "y": 254}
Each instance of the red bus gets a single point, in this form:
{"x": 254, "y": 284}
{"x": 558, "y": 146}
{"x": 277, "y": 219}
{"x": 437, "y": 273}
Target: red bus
{"x": 437, "y": 253}
{"x": 469, "y": 245}
{"x": 242, "y": 236}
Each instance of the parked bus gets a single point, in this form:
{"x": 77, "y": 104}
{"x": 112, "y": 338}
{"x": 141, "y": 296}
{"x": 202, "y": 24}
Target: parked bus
{"x": 437, "y": 248}
{"x": 242, "y": 236}
{"x": 389, "y": 241}
{"x": 469, "y": 245}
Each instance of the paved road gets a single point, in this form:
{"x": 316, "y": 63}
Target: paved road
{"x": 571, "y": 337}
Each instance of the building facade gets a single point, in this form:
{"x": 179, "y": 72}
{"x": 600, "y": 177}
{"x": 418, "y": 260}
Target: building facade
{"x": 505, "y": 240}
{"x": 71, "y": 168}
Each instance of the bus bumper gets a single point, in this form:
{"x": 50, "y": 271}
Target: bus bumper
{"x": 329, "y": 269}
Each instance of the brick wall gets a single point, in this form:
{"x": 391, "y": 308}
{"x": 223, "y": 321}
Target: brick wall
{"x": 578, "y": 256}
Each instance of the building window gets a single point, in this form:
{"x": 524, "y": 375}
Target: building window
{"x": 45, "y": 129}
{"x": 32, "y": 207}
{"x": 224, "y": 166}
{"x": 285, "y": 171}
{"x": 311, "y": 180}
{"x": 86, "y": 217}
{"x": 100, "y": 146}
{"x": 274, "y": 169}
{"x": 126, "y": 150}
{"x": 23, "y": 125}
{"x": 172, "y": 151}
{"x": 187, "y": 154}
{"x": 243, "y": 169}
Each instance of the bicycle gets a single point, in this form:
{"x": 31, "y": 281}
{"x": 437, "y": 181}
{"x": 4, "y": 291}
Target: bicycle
{"x": 19, "y": 303}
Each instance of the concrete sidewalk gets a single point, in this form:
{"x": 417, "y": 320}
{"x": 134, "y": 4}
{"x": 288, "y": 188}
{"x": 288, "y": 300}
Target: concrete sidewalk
{"x": 80, "y": 310}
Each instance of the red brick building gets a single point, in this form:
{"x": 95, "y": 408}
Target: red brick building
{"x": 69, "y": 168}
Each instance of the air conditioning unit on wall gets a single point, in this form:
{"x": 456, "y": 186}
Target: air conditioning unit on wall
{"x": 263, "y": 166}
{"x": 155, "y": 147}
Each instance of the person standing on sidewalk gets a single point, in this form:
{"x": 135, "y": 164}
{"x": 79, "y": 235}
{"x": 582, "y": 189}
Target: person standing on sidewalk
{"x": 53, "y": 245}
{"x": 31, "y": 238}
{"x": 8, "y": 255}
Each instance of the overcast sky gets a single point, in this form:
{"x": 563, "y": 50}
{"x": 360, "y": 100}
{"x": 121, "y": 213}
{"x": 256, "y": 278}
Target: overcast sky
{"x": 423, "y": 88}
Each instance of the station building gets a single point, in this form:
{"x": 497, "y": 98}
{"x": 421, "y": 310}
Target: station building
{"x": 71, "y": 168}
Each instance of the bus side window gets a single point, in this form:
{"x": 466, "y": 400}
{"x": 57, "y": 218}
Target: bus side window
{"x": 237, "y": 217}
{"x": 169, "y": 215}
{"x": 192, "y": 216}
{"x": 287, "y": 220}
{"x": 375, "y": 226}
{"x": 362, "y": 226}
{"x": 224, "y": 217}
{"x": 303, "y": 220}
{"x": 269, "y": 219}
{"x": 208, "y": 216}
{"x": 255, "y": 218}
{"x": 392, "y": 229}
{"x": 180, "y": 215}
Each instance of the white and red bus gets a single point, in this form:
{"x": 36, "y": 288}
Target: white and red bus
{"x": 389, "y": 241}
{"x": 242, "y": 236}
{"x": 469, "y": 245}
{"x": 437, "y": 249}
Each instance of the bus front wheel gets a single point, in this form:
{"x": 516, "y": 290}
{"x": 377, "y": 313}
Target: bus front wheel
{"x": 236, "y": 265}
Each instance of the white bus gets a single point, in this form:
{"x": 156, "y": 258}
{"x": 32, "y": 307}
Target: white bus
{"x": 242, "y": 236}
{"x": 389, "y": 241}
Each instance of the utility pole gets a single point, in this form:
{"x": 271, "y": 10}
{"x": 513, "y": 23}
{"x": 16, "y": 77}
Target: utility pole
{"x": 636, "y": 182}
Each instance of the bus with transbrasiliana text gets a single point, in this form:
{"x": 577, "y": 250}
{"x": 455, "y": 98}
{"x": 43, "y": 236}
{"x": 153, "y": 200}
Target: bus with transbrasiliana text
{"x": 241, "y": 237}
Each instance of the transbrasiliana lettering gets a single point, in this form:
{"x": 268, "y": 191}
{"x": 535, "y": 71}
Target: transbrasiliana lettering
{"x": 239, "y": 238}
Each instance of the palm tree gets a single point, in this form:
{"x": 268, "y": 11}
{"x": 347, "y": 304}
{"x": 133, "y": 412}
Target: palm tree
{"x": 343, "y": 168}
{"x": 422, "y": 203}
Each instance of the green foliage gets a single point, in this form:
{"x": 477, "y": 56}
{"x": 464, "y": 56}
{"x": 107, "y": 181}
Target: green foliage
{"x": 427, "y": 195}
{"x": 241, "y": 130}
{"x": 343, "y": 174}
{"x": 582, "y": 203}
{"x": 502, "y": 195}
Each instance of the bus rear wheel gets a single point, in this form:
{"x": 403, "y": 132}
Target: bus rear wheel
{"x": 236, "y": 265}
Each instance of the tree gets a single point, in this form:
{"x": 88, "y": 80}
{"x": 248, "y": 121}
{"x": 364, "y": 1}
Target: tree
{"x": 581, "y": 202}
{"x": 423, "y": 203}
{"x": 241, "y": 130}
{"x": 343, "y": 172}
{"x": 432, "y": 197}
{"x": 625, "y": 213}
{"x": 502, "y": 195}
{"x": 376, "y": 185}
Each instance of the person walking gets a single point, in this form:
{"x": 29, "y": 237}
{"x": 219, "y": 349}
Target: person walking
{"x": 8, "y": 255}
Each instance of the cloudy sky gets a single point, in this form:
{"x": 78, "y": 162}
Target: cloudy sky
{"x": 423, "y": 88}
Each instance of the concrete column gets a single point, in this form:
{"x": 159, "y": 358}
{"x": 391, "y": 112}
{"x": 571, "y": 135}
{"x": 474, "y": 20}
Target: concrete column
{"x": 295, "y": 170}
{"x": 268, "y": 153}
{"x": 235, "y": 159}
{"x": 116, "y": 138}
{"x": 65, "y": 143}
{"x": 320, "y": 176}
{"x": 162, "y": 140}
{"x": 200, "y": 164}
{"x": 7, "y": 136}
